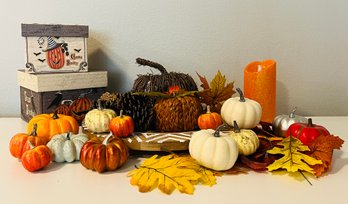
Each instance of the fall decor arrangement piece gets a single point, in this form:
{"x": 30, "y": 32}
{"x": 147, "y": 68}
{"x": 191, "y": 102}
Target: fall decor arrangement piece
{"x": 177, "y": 111}
{"x": 246, "y": 112}
{"x": 98, "y": 119}
{"x": 19, "y": 143}
{"x": 306, "y": 132}
{"x": 107, "y": 155}
{"x": 209, "y": 120}
{"x": 213, "y": 149}
{"x": 246, "y": 139}
{"x": 121, "y": 126}
{"x": 36, "y": 158}
{"x": 66, "y": 146}
{"x": 80, "y": 107}
{"x": 49, "y": 125}
{"x": 139, "y": 107}
{"x": 63, "y": 108}
{"x": 161, "y": 82}
{"x": 281, "y": 123}
{"x": 215, "y": 93}
{"x": 170, "y": 172}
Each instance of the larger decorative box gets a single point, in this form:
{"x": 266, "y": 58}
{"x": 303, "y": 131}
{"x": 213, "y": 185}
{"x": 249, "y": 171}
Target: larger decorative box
{"x": 43, "y": 93}
{"x": 55, "y": 48}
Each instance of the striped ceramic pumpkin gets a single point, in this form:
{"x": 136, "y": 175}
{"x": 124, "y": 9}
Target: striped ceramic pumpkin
{"x": 80, "y": 107}
{"x": 55, "y": 58}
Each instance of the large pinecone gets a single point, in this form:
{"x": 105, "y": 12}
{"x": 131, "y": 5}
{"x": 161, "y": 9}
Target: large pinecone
{"x": 177, "y": 114}
{"x": 139, "y": 107}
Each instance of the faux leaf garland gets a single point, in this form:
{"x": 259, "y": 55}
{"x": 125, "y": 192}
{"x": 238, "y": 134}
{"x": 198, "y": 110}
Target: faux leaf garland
{"x": 293, "y": 159}
{"x": 170, "y": 172}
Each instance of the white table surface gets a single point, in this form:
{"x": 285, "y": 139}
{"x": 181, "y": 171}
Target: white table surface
{"x": 72, "y": 183}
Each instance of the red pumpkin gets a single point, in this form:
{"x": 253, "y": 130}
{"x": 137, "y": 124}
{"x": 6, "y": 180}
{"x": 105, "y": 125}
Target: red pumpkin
{"x": 209, "y": 120}
{"x": 20, "y": 142}
{"x": 36, "y": 158}
{"x": 80, "y": 107}
{"x": 55, "y": 58}
{"x": 107, "y": 155}
{"x": 63, "y": 109}
{"x": 122, "y": 126}
{"x": 306, "y": 132}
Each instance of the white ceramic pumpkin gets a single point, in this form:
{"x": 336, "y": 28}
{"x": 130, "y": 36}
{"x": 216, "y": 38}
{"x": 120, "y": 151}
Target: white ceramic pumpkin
{"x": 97, "y": 120}
{"x": 67, "y": 146}
{"x": 245, "y": 111}
{"x": 246, "y": 139}
{"x": 281, "y": 123}
{"x": 213, "y": 149}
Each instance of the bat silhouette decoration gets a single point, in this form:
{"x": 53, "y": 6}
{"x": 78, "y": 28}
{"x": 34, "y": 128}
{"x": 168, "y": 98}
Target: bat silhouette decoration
{"x": 41, "y": 60}
{"x": 37, "y": 53}
{"x": 77, "y": 50}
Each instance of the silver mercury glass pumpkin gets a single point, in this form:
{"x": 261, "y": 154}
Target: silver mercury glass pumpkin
{"x": 282, "y": 122}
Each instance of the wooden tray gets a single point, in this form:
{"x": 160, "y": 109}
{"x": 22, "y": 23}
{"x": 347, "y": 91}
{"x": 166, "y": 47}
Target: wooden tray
{"x": 153, "y": 141}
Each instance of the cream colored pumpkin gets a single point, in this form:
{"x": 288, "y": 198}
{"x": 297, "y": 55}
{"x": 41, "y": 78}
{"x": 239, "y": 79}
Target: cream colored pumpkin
{"x": 67, "y": 146}
{"x": 213, "y": 149}
{"x": 97, "y": 120}
{"x": 246, "y": 139}
{"x": 245, "y": 111}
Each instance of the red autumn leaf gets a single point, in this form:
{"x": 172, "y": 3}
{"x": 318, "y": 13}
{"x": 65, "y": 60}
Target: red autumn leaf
{"x": 205, "y": 84}
{"x": 322, "y": 149}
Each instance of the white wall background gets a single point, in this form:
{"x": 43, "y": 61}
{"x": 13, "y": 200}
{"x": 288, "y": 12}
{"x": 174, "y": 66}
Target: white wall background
{"x": 308, "y": 39}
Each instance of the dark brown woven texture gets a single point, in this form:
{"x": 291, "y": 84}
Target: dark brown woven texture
{"x": 177, "y": 114}
{"x": 161, "y": 82}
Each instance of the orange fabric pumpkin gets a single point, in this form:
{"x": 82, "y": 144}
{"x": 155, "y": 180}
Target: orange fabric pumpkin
{"x": 36, "y": 157}
{"x": 20, "y": 142}
{"x": 49, "y": 125}
{"x": 122, "y": 126}
{"x": 209, "y": 120}
{"x": 107, "y": 155}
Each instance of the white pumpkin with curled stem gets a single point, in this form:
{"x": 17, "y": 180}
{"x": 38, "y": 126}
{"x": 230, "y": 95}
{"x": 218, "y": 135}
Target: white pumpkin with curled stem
{"x": 245, "y": 111}
{"x": 246, "y": 139}
{"x": 281, "y": 123}
{"x": 213, "y": 149}
{"x": 97, "y": 120}
{"x": 67, "y": 146}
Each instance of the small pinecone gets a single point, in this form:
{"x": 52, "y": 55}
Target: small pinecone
{"x": 140, "y": 108}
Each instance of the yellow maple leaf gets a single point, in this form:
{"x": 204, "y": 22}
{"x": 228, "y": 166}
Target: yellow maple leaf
{"x": 169, "y": 173}
{"x": 293, "y": 160}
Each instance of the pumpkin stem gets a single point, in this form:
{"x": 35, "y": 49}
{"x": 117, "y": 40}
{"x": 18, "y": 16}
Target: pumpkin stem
{"x": 149, "y": 63}
{"x": 34, "y": 131}
{"x": 55, "y": 115}
{"x": 121, "y": 113}
{"x": 236, "y": 127}
{"x": 208, "y": 109}
{"x": 105, "y": 141}
{"x": 292, "y": 114}
{"x": 241, "y": 95}
{"x": 99, "y": 104}
{"x": 218, "y": 129}
{"x": 68, "y": 135}
{"x": 310, "y": 122}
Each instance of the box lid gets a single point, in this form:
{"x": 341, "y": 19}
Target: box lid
{"x": 54, "y": 30}
{"x": 62, "y": 81}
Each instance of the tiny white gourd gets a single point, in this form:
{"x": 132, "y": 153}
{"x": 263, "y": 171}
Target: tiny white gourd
{"x": 281, "y": 123}
{"x": 245, "y": 111}
{"x": 213, "y": 149}
{"x": 246, "y": 139}
{"x": 97, "y": 120}
{"x": 67, "y": 146}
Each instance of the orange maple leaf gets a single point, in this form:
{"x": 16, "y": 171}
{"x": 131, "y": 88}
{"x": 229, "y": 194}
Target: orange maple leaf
{"x": 322, "y": 149}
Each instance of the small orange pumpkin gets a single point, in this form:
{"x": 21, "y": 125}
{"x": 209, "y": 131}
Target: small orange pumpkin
{"x": 64, "y": 108}
{"x": 209, "y": 120}
{"x": 122, "y": 126}
{"x": 36, "y": 157}
{"x": 20, "y": 142}
{"x": 49, "y": 125}
{"x": 107, "y": 155}
{"x": 79, "y": 108}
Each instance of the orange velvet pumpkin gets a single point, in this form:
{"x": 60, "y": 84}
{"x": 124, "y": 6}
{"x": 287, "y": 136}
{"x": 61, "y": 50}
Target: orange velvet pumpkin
{"x": 209, "y": 120}
{"x": 49, "y": 125}
{"x": 122, "y": 126}
{"x": 36, "y": 157}
{"x": 20, "y": 142}
{"x": 107, "y": 155}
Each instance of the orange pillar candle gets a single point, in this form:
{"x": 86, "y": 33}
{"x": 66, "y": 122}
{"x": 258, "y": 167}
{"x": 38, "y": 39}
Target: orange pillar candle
{"x": 260, "y": 85}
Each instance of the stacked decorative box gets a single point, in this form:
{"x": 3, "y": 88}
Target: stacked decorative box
{"x": 56, "y": 68}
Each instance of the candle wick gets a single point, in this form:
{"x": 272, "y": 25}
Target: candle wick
{"x": 259, "y": 68}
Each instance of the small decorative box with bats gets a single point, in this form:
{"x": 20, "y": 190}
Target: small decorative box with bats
{"x": 55, "y": 48}
{"x": 44, "y": 93}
